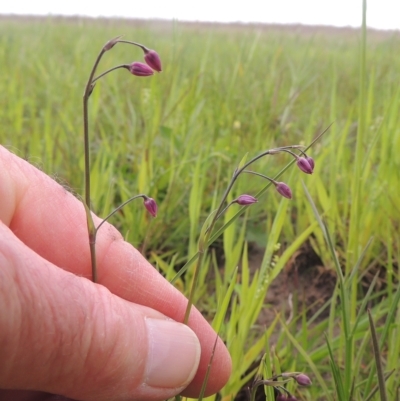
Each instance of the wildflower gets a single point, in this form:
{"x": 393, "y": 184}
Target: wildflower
{"x": 245, "y": 199}
{"x": 304, "y": 165}
{"x": 151, "y": 206}
{"x": 283, "y": 189}
{"x": 303, "y": 379}
{"x": 152, "y": 59}
{"x": 140, "y": 69}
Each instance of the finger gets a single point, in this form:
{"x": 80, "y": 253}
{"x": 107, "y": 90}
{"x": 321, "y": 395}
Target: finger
{"x": 23, "y": 395}
{"x": 52, "y": 222}
{"x": 26, "y": 395}
{"x": 62, "y": 334}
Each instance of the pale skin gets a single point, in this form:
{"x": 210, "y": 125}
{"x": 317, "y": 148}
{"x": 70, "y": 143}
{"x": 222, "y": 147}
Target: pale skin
{"x": 62, "y": 334}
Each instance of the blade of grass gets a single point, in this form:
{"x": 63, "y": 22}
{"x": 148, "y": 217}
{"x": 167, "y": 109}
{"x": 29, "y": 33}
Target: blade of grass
{"x": 378, "y": 362}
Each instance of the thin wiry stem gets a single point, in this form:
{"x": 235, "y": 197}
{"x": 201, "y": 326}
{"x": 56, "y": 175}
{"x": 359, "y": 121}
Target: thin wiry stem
{"x": 92, "y": 231}
{"x": 126, "y": 66}
{"x": 203, "y": 248}
{"x": 119, "y": 208}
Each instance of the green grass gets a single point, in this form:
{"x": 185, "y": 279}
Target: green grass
{"x": 226, "y": 91}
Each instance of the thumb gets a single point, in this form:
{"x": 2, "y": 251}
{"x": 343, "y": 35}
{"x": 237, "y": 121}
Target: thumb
{"x": 64, "y": 335}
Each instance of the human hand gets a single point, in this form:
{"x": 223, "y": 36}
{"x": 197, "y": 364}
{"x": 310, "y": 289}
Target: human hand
{"x": 62, "y": 334}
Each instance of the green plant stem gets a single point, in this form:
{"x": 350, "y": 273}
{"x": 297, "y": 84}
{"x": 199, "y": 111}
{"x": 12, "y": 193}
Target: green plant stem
{"x": 378, "y": 362}
{"x": 354, "y": 244}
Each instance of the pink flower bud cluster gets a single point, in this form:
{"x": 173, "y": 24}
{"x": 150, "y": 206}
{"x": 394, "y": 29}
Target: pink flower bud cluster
{"x": 153, "y": 63}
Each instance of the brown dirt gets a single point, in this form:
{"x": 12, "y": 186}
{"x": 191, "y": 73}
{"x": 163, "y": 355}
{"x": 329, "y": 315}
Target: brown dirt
{"x": 304, "y": 278}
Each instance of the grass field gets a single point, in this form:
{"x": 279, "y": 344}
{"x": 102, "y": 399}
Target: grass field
{"x": 227, "y": 91}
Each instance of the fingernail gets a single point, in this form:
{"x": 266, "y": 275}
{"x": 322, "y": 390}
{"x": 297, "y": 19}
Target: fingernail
{"x": 174, "y": 354}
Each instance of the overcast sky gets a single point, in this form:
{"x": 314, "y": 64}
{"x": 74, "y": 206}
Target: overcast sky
{"x": 382, "y": 14}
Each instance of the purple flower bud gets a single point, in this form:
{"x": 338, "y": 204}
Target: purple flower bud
{"x": 151, "y": 206}
{"x": 283, "y": 189}
{"x": 153, "y": 60}
{"x": 140, "y": 69}
{"x": 244, "y": 200}
{"x": 304, "y": 165}
{"x": 310, "y": 162}
{"x": 281, "y": 397}
{"x": 303, "y": 379}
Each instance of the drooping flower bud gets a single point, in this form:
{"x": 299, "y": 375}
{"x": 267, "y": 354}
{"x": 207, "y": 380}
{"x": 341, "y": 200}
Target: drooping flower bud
{"x": 283, "y": 189}
{"x": 304, "y": 165}
{"x": 303, "y": 380}
{"x": 311, "y": 162}
{"x": 281, "y": 397}
{"x": 152, "y": 59}
{"x": 151, "y": 206}
{"x": 111, "y": 43}
{"x": 245, "y": 199}
{"x": 140, "y": 69}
